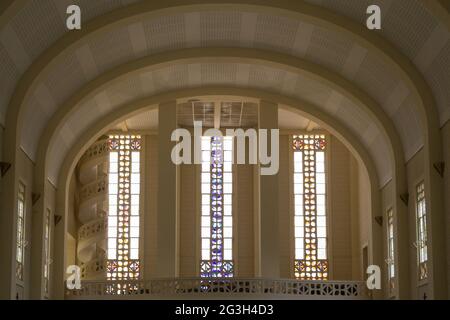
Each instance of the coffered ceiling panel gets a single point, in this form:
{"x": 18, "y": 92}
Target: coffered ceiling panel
{"x": 325, "y": 47}
{"x": 416, "y": 32}
{"x": 86, "y": 115}
{"x": 39, "y": 24}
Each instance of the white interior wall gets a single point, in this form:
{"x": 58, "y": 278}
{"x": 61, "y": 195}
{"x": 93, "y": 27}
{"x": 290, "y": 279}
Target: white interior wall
{"x": 284, "y": 205}
{"x": 339, "y": 214}
{"x": 150, "y": 171}
{"x": 349, "y": 199}
{"x": 25, "y": 168}
{"x": 2, "y": 132}
{"x": 72, "y": 219}
{"x": 446, "y": 145}
{"x": 355, "y": 218}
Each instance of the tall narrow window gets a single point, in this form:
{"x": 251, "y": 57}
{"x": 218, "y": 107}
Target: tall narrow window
{"x": 310, "y": 225}
{"x": 421, "y": 222}
{"x": 390, "y": 247}
{"x": 123, "y": 213}
{"x": 216, "y": 207}
{"x": 20, "y": 239}
{"x": 47, "y": 251}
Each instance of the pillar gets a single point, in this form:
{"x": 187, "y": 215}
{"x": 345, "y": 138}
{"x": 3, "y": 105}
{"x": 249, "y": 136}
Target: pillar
{"x": 268, "y": 201}
{"x": 167, "y": 221}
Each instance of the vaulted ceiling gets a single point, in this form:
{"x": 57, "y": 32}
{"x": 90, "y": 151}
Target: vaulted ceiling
{"x": 316, "y": 50}
{"x": 232, "y": 114}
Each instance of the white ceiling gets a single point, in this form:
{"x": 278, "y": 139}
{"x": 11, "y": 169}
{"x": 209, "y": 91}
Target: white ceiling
{"x": 291, "y": 120}
{"x": 173, "y": 77}
{"x": 319, "y": 45}
{"x": 148, "y": 120}
{"x": 418, "y": 35}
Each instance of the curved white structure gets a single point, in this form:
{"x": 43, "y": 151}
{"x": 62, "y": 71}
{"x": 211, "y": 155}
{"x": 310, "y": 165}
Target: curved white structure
{"x": 221, "y": 288}
{"x": 92, "y": 212}
{"x": 380, "y": 97}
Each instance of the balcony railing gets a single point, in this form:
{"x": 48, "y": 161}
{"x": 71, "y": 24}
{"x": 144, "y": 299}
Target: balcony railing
{"x": 97, "y": 150}
{"x": 220, "y": 288}
{"x": 95, "y": 188}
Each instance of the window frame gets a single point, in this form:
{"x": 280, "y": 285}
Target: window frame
{"x": 328, "y": 208}
{"x": 390, "y": 260}
{"x": 47, "y": 251}
{"x": 418, "y": 240}
{"x": 21, "y": 280}
{"x": 198, "y": 228}
{"x": 140, "y": 257}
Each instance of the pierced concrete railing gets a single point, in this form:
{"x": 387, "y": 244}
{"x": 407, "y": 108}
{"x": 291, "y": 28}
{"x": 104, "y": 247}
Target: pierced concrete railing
{"x": 210, "y": 288}
{"x": 94, "y": 189}
{"x": 95, "y": 268}
{"x": 93, "y": 228}
{"x": 98, "y": 150}
{"x": 92, "y": 211}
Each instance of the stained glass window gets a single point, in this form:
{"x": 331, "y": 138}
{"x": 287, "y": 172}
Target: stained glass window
{"x": 421, "y": 221}
{"x": 47, "y": 251}
{"x": 390, "y": 242}
{"x": 20, "y": 236}
{"x": 216, "y": 207}
{"x": 310, "y": 225}
{"x": 123, "y": 212}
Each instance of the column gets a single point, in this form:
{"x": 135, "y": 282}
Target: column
{"x": 8, "y": 190}
{"x": 437, "y": 250}
{"x": 37, "y": 249}
{"x": 402, "y": 248}
{"x": 167, "y": 221}
{"x": 268, "y": 201}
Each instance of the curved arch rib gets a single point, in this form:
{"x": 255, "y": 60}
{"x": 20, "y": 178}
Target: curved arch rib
{"x": 296, "y": 105}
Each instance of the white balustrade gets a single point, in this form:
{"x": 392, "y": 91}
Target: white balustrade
{"x": 95, "y": 268}
{"x": 204, "y": 288}
{"x": 92, "y": 229}
{"x": 93, "y": 189}
{"x": 93, "y": 197}
{"x": 97, "y": 150}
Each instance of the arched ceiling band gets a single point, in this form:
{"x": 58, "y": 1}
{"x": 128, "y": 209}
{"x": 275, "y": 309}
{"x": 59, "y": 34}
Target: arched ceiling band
{"x": 102, "y": 126}
{"x": 8, "y": 9}
{"x": 294, "y": 105}
{"x": 305, "y": 11}
{"x": 237, "y": 55}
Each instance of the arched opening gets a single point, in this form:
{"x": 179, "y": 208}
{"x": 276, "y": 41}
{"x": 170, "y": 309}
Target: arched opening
{"x": 362, "y": 115}
{"x": 349, "y": 190}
